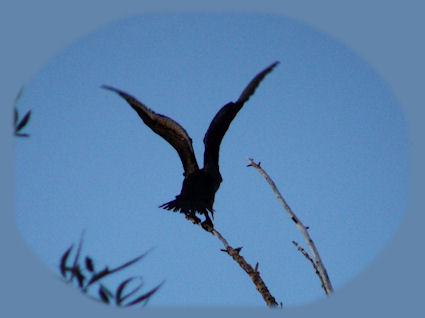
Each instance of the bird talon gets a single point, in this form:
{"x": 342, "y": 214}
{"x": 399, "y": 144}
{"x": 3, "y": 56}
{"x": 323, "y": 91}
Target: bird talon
{"x": 194, "y": 219}
{"x": 207, "y": 226}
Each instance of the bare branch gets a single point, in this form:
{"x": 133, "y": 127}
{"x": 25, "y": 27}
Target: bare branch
{"x": 326, "y": 283}
{"x": 254, "y": 274}
{"x": 308, "y": 257}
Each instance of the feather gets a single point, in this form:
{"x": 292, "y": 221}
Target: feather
{"x": 199, "y": 185}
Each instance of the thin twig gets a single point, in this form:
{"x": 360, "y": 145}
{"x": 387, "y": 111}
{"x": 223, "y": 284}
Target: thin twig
{"x": 254, "y": 274}
{"x": 308, "y": 257}
{"x": 326, "y": 283}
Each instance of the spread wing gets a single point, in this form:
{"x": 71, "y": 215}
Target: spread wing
{"x": 224, "y": 117}
{"x": 167, "y": 128}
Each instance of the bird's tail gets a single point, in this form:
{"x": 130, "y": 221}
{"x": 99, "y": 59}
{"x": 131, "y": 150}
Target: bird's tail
{"x": 172, "y": 205}
{"x": 187, "y": 207}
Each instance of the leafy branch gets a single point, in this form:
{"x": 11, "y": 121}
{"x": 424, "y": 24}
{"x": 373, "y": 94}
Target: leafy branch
{"x": 87, "y": 276}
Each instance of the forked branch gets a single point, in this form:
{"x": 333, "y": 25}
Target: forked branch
{"x": 317, "y": 263}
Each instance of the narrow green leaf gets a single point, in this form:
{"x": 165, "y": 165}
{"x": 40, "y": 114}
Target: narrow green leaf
{"x": 80, "y": 245}
{"x": 15, "y": 117}
{"x": 21, "y": 135}
{"x": 18, "y": 96}
{"x": 145, "y": 296}
{"x": 89, "y": 264}
{"x": 104, "y": 294}
{"x": 99, "y": 276}
{"x": 129, "y": 262}
{"x": 79, "y": 275}
{"x": 119, "y": 298}
{"x": 24, "y": 121}
{"x": 63, "y": 260}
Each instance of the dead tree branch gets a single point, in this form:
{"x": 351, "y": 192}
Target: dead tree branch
{"x": 318, "y": 264}
{"x": 254, "y": 274}
{"x": 308, "y": 257}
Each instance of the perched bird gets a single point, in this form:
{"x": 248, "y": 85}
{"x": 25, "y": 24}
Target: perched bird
{"x": 199, "y": 185}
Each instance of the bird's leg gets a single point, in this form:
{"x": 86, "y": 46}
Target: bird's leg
{"x": 207, "y": 225}
{"x": 192, "y": 217}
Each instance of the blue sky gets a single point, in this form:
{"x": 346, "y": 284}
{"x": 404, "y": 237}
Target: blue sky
{"x": 324, "y": 125}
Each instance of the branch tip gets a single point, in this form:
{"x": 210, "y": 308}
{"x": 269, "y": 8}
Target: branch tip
{"x": 317, "y": 263}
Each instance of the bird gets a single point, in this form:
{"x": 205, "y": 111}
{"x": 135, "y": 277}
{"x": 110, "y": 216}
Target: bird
{"x": 199, "y": 185}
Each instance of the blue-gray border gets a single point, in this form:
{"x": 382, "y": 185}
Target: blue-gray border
{"x": 388, "y": 34}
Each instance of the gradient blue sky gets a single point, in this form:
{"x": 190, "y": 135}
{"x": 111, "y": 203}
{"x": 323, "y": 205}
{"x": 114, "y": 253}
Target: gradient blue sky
{"x": 324, "y": 125}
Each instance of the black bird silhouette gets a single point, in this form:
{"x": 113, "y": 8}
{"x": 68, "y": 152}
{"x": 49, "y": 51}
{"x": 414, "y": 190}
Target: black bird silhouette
{"x": 199, "y": 185}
